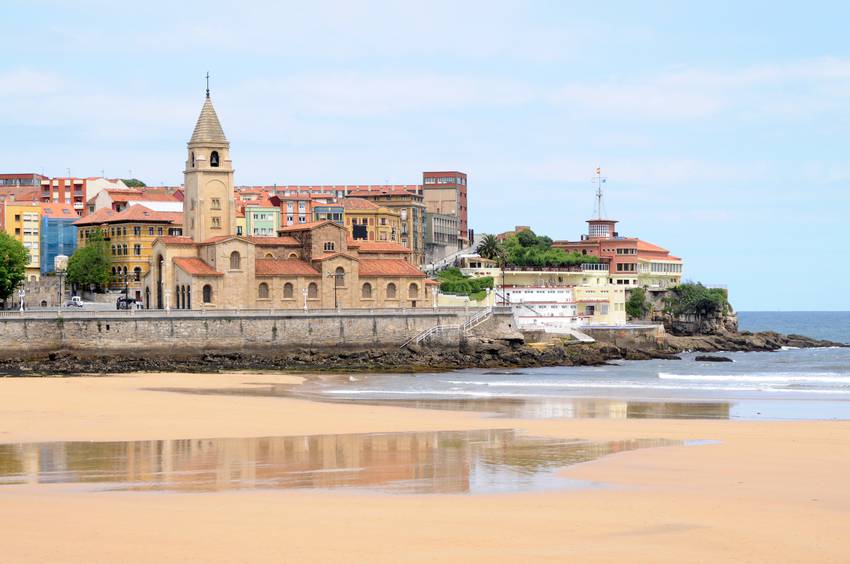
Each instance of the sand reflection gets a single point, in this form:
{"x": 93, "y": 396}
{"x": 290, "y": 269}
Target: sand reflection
{"x": 450, "y": 462}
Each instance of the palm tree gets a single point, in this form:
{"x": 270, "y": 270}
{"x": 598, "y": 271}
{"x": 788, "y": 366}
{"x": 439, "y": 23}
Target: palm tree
{"x": 489, "y": 248}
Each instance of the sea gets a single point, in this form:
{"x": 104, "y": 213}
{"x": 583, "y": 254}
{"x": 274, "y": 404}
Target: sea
{"x": 786, "y": 384}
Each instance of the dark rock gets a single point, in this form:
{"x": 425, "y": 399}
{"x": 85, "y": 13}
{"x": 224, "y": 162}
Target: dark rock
{"x": 707, "y": 358}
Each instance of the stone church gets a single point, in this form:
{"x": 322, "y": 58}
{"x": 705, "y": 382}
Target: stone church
{"x": 308, "y": 266}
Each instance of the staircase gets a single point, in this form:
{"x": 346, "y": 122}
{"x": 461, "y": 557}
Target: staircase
{"x": 464, "y": 328}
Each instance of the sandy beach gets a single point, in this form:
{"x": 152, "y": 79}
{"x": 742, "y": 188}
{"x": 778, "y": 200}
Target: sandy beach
{"x": 764, "y": 492}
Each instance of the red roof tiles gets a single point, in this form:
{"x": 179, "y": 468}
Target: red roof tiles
{"x": 381, "y": 247}
{"x": 195, "y": 267}
{"x": 388, "y": 267}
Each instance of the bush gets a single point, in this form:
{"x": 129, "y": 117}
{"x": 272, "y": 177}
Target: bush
{"x": 696, "y": 299}
{"x": 636, "y": 306}
{"x": 527, "y": 249}
{"x": 452, "y": 281}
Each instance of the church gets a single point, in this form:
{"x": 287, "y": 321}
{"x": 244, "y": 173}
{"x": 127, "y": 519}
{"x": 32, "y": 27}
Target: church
{"x": 306, "y": 266}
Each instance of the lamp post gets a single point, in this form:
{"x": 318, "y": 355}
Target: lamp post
{"x": 304, "y": 293}
{"x": 337, "y": 276}
{"x": 60, "y": 265}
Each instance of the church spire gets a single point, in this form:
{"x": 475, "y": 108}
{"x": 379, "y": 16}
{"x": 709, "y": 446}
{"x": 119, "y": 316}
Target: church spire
{"x": 208, "y": 84}
{"x": 208, "y": 129}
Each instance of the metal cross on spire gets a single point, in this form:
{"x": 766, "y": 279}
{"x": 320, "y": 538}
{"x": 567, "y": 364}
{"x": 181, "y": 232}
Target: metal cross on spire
{"x": 208, "y": 84}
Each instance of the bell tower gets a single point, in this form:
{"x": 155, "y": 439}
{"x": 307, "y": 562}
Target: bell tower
{"x": 208, "y": 205}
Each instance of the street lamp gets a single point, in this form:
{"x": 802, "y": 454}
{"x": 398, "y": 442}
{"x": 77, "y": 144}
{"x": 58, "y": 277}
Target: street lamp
{"x": 337, "y": 276}
{"x": 60, "y": 266}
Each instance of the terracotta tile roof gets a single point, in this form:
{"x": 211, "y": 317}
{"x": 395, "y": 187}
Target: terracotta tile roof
{"x": 381, "y": 247}
{"x": 332, "y": 255}
{"x": 138, "y": 212}
{"x": 171, "y": 240}
{"x": 645, "y": 246}
{"x": 98, "y": 217}
{"x": 430, "y": 282}
{"x": 388, "y": 267}
{"x": 358, "y": 204}
{"x": 58, "y": 211}
{"x": 195, "y": 267}
{"x": 280, "y": 267}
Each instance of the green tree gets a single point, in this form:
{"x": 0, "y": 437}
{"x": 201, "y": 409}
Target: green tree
{"x": 133, "y": 183}
{"x": 489, "y": 248}
{"x": 13, "y": 264}
{"x": 90, "y": 264}
{"x": 527, "y": 249}
{"x": 695, "y": 299}
{"x": 636, "y": 305}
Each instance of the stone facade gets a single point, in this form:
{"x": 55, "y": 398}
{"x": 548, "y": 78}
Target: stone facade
{"x": 314, "y": 265}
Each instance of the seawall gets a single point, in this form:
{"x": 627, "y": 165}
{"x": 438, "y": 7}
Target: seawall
{"x": 191, "y": 332}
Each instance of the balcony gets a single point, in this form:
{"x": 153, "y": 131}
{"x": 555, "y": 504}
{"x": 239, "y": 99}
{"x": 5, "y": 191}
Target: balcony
{"x": 78, "y": 205}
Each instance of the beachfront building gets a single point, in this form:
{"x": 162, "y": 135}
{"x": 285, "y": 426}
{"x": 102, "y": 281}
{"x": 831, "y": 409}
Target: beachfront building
{"x": 262, "y": 218}
{"x": 308, "y": 265}
{"x": 445, "y": 193}
{"x": 22, "y": 220}
{"x": 411, "y": 209}
{"x": 441, "y": 235}
{"x": 367, "y": 221}
{"x": 631, "y": 261}
{"x": 129, "y": 235}
{"x": 58, "y": 234}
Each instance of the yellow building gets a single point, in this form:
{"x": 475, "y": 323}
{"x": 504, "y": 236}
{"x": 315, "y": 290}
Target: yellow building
{"x": 22, "y": 220}
{"x": 411, "y": 209}
{"x": 130, "y": 235}
{"x": 367, "y": 221}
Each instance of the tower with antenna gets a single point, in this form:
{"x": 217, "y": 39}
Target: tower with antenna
{"x": 600, "y": 227}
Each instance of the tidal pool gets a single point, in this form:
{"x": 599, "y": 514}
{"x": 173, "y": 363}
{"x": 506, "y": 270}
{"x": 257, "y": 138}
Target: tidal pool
{"x": 444, "y": 462}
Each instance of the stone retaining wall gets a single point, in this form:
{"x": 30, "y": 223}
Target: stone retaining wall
{"x": 116, "y": 332}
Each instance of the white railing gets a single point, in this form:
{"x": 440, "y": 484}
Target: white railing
{"x": 436, "y": 330}
{"x": 477, "y": 319}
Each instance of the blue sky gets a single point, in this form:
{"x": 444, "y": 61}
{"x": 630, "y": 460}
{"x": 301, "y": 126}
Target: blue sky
{"x": 722, "y": 128}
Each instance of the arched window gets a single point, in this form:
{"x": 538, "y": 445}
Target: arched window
{"x": 113, "y": 271}
{"x": 269, "y": 256}
{"x": 235, "y": 261}
{"x": 413, "y": 291}
{"x": 329, "y": 246}
{"x": 188, "y": 297}
{"x": 287, "y": 291}
{"x": 312, "y": 290}
{"x": 214, "y": 159}
{"x": 366, "y": 291}
{"x": 293, "y": 255}
{"x": 263, "y": 292}
{"x": 137, "y": 274}
{"x": 391, "y": 291}
{"x": 339, "y": 277}
{"x": 125, "y": 271}
{"x": 177, "y": 297}
{"x": 207, "y": 294}
{"x": 193, "y": 159}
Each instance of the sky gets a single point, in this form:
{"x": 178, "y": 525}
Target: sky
{"x": 722, "y": 127}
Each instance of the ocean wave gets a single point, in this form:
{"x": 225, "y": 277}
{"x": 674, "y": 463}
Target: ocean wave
{"x": 777, "y": 378}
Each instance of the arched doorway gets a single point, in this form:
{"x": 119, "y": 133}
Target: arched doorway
{"x": 158, "y": 276}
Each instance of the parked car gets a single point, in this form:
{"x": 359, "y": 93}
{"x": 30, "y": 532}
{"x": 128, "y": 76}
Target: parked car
{"x": 75, "y": 301}
{"x": 125, "y": 302}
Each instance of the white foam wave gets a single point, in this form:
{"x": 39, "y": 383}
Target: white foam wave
{"x": 778, "y": 378}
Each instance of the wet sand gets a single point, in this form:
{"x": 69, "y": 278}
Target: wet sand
{"x": 769, "y": 491}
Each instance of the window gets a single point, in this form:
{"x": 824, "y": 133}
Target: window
{"x": 216, "y": 203}
{"x": 159, "y": 231}
{"x": 216, "y": 222}
{"x": 263, "y": 291}
{"x": 269, "y": 256}
{"x": 413, "y": 291}
{"x": 193, "y": 159}
{"x": 137, "y": 231}
{"x": 208, "y": 294}
{"x": 312, "y": 290}
{"x": 137, "y": 274}
{"x": 293, "y": 255}
{"x": 391, "y": 291}
{"x": 137, "y": 249}
{"x": 339, "y": 277}
{"x": 329, "y": 246}
{"x": 235, "y": 261}
{"x": 287, "y": 291}
{"x": 366, "y": 291}
{"x": 214, "y": 159}
{"x": 239, "y": 230}
{"x": 150, "y": 230}
{"x": 124, "y": 249}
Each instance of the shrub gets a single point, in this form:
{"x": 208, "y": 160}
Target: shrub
{"x": 636, "y": 306}
{"x": 695, "y": 299}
